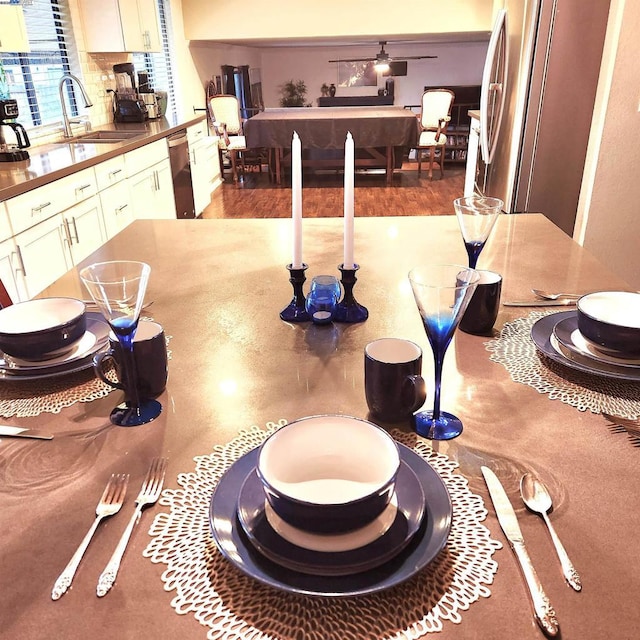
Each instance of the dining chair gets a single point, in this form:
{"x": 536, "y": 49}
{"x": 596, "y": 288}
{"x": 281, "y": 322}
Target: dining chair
{"x": 5, "y": 298}
{"x": 224, "y": 111}
{"x": 435, "y": 114}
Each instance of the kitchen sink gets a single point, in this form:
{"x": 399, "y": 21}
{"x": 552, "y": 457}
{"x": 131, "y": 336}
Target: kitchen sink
{"x": 107, "y": 136}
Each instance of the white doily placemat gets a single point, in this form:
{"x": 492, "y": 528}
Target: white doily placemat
{"x": 231, "y": 605}
{"x": 516, "y": 351}
{"x": 29, "y": 398}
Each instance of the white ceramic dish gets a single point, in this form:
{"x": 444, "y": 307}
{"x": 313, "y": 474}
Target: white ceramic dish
{"x": 333, "y": 543}
{"x": 318, "y": 474}
{"x": 611, "y": 321}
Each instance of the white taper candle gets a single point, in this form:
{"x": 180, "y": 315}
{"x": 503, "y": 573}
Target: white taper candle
{"x": 349, "y": 172}
{"x": 296, "y": 200}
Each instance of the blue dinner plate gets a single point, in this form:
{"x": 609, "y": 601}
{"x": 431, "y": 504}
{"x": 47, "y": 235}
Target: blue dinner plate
{"x": 544, "y": 338}
{"x": 407, "y": 521}
{"x": 423, "y": 547}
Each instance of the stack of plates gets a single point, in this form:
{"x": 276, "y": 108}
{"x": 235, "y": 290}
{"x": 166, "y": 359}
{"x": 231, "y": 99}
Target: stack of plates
{"x": 95, "y": 339}
{"x": 558, "y": 337}
{"x": 391, "y": 549}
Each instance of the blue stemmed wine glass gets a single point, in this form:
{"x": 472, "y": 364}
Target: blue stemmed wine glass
{"x": 442, "y": 293}
{"x": 118, "y": 288}
{"x": 476, "y": 216}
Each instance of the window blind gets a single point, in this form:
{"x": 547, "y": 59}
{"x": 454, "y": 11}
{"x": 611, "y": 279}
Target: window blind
{"x": 34, "y": 77}
{"x": 158, "y": 65}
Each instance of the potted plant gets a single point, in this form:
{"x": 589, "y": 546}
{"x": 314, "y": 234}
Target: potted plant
{"x": 293, "y": 93}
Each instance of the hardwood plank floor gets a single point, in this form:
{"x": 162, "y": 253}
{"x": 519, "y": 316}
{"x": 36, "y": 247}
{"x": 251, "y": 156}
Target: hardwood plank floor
{"x": 322, "y": 194}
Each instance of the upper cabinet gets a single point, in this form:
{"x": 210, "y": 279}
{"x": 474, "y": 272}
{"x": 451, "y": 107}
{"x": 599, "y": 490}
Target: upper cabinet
{"x": 120, "y": 25}
{"x": 13, "y": 33}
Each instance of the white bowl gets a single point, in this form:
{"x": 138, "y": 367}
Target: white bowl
{"x": 611, "y": 320}
{"x": 42, "y": 328}
{"x": 329, "y": 474}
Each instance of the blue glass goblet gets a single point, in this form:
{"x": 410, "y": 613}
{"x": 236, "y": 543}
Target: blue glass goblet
{"x": 476, "y": 216}
{"x": 442, "y": 293}
{"x": 322, "y": 298}
{"x": 118, "y": 289}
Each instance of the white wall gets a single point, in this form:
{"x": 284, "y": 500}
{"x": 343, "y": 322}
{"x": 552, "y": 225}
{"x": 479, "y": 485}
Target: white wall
{"x": 608, "y": 222}
{"x": 457, "y": 64}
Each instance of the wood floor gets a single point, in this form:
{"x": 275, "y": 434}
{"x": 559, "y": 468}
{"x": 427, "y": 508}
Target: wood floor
{"x": 322, "y": 194}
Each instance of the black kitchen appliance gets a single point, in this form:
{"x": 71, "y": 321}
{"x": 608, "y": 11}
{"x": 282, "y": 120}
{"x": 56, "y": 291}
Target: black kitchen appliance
{"x": 129, "y": 110}
{"x": 128, "y": 105}
{"x": 12, "y": 152}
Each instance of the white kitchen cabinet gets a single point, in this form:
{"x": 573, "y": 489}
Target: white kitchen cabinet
{"x": 205, "y": 165}
{"x": 44, "y": 254}
{"x": 150, "y": 181}
{"x": 13, "y": 32}
{"x": 37, "y": 205}
{"x": 117, "y": 210}
{"x": 151, "y": 192}
{"x": 84, "y": 228}
{"x": 120, "y": 25}
{"x": 11, "y": 271}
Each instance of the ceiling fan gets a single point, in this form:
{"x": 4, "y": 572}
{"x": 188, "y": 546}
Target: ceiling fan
{"x": 382, "y": 57}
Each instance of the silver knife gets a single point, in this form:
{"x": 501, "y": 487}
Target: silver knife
{"x": 544, "y": 612}
{"x": 19, "y": 432}
{"x": 539, "y": 303}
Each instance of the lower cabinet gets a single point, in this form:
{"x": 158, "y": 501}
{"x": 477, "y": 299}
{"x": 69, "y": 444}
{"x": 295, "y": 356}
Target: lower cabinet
{"x": 117, "y": 210}
{"x": 44, "y": 254}
{"x": 49, "y": 249}
{"x": 11, "y": 271}
{"x": 151, "y": 192}
{"x": 84, "y": 228}
{"x": 205, "y": 171}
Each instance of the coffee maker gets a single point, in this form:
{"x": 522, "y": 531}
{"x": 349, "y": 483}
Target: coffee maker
{"x": 128, "y": 106}
{"x": 12, "y": 152}
{"x": 147, "y": 95}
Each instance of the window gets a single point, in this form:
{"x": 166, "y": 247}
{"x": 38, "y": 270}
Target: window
{"x": 34, "y": 77}
{"x": 158, "y": 65}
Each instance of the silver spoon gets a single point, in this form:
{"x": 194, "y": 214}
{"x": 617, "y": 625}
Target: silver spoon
{"x": 537, "y": 498}
{"x": 547, "y": 295}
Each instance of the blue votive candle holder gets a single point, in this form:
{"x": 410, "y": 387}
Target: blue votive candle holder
{"x": 295, "y": 311}
{"x": 322, "y": 299}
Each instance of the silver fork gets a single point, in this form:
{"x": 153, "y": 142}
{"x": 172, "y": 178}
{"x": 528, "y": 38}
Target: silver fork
{"x": 555, "y": 296}
{"x": 632, "y": 427}
{"x": 149, "y": 493}
{"x": 109, "y": 504}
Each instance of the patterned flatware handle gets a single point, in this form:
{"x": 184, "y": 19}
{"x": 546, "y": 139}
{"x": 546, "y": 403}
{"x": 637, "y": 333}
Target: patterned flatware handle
{"x": 544, "y": 612}
{"x": 66, "y": 577}
{"x": 108, "y": 576}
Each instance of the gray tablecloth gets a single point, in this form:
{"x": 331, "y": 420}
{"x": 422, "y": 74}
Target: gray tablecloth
{"x": 326, "y": 128}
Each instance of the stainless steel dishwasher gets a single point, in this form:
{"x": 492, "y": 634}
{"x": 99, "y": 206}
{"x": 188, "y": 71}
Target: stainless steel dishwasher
{"x": 181, "y": 174}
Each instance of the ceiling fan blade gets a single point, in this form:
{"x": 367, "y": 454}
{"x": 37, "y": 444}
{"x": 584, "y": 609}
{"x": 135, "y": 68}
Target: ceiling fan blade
{"x": 354, "y": 60}
{"x": 415, "y": 57}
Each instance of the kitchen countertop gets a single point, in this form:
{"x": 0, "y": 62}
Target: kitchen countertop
{"x": 57, "y": 160}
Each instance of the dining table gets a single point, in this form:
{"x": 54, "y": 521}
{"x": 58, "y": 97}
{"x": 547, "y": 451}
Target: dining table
{"x": 381, "y": 134}
{"x": 237, "y": 373}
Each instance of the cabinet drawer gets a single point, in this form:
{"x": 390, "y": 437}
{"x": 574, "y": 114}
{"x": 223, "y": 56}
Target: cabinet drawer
{"x": 5, "y": 226}
{"x": 144, "y": 157}
{"x": 197, "y": 131}
{"x": 110, "y": 172}
{"x": 39, "y": 204}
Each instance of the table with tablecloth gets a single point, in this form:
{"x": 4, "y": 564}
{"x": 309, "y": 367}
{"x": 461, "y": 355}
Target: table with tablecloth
{"x": 237, "y": 371}
{"x": 381, "y": 135}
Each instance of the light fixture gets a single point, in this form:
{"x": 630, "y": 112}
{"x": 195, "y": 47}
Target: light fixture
{"x": 382, "y": 60}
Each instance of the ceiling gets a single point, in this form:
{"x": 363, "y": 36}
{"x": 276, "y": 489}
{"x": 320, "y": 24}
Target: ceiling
{"x": 405, "y": 39}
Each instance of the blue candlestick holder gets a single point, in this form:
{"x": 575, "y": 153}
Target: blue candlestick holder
{"x": 296, "y": 311}
{"x": 349, "y": 309}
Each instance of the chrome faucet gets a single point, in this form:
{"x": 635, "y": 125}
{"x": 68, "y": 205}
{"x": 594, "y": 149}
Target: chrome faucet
{"x": 65, "y": 116}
